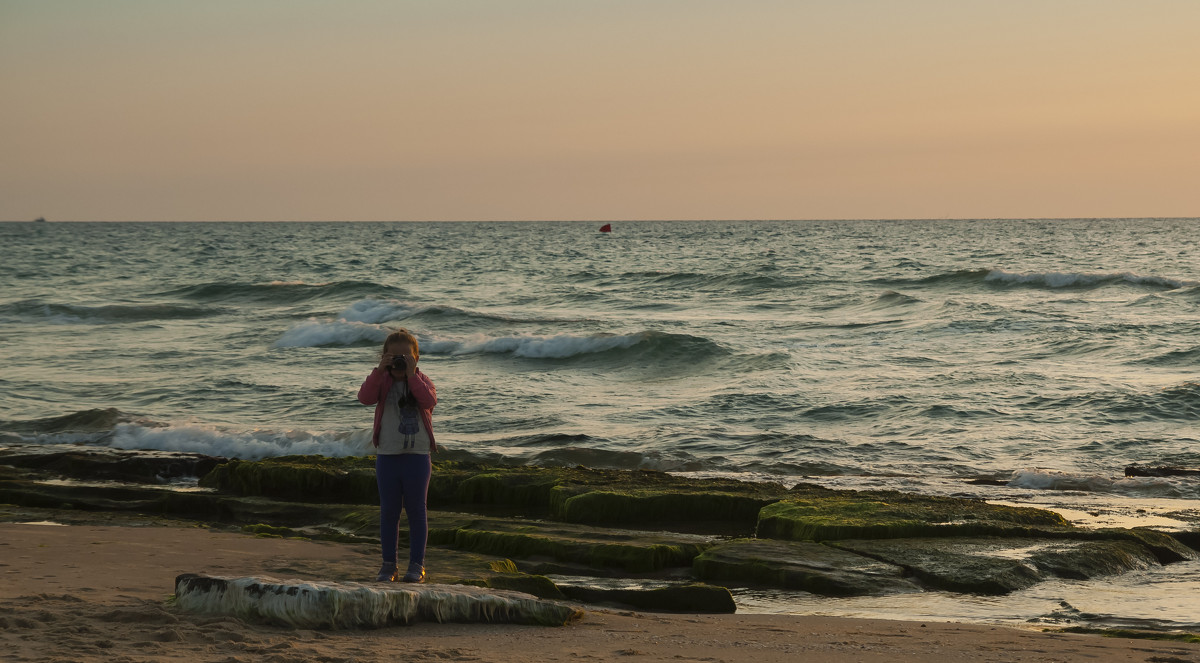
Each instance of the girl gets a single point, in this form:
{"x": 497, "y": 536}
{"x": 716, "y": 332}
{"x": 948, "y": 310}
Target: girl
{"x": 403, "y": 436}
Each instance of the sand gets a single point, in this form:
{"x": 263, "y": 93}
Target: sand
{"x": 83, "y": 593}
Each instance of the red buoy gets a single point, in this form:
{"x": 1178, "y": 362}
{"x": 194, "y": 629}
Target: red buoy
{"x": 606, "y": 228}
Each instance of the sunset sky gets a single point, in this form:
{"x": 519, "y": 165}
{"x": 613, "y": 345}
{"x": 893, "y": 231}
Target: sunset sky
{"x": 252, "y": 110}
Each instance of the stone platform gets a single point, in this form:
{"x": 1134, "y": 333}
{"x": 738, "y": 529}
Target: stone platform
{"x": 339, "y": 605}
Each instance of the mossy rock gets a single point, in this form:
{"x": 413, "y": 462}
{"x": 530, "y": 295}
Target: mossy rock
{"x": 891, "y": 515}
{"x": 525, "y": 489}
{"x": 574, "y": 494}
{"x": 626, "y": 550}
{"x": 691, "y": 598}
{"x": 811, "y": 567}
{"x": 584, "y": 495}
{"x": 658, "y": 506}
{"x": 303, "y": 478}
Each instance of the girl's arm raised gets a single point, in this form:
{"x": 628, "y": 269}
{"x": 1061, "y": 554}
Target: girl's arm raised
{"x": 368, "y": 393}
{"x": 422, "y": 389}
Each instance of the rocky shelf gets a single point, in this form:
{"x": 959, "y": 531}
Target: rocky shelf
{"x": 681, "y": 542}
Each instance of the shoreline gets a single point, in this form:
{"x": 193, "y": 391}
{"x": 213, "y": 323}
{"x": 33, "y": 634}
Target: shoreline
{"x": 90, "y": 592}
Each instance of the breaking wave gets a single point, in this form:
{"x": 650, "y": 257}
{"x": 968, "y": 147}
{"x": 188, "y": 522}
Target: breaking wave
{"x": 646, "y": 345}
{"x": 1039, "y": 280}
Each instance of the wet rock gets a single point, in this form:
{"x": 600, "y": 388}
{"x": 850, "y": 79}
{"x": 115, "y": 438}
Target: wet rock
{"x": 1090, "y": 559}
{"x": 993, "y": 565}
{"x": 299, "y": 604}
{"x": 974, "y": 566}
{"x": 1160, "y": 471}
{"x": 107, "y": 464}
{"x": 674, "y": 598}
{"x": 1166, "y": 548}
{"x": 811, "y": 567}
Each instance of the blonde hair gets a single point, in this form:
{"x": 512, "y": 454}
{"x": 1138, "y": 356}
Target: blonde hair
{"x": 402, "y": 335}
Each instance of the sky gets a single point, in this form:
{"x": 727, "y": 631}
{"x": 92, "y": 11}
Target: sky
{"x": 382, "y": 110}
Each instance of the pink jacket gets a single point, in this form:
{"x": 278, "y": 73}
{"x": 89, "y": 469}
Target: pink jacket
{"x": 374, "y": 391}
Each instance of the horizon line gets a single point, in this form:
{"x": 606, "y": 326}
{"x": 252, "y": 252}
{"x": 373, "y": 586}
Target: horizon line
{"x": 602, "y": 220}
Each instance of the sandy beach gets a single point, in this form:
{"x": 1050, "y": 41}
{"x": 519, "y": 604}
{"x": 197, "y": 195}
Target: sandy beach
{"x": 90, "y": 592}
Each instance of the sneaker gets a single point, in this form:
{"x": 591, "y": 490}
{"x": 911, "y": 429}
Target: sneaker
{"x": 387, "y": 573}
{"x": 416, "y": 573}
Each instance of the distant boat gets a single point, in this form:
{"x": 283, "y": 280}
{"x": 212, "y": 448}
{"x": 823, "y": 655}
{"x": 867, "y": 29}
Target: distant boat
{"x": 40, "y": 219}
{"x": 606, "y": 228}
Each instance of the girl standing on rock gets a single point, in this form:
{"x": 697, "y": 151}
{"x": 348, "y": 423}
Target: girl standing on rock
{"x": 403, "y": 438}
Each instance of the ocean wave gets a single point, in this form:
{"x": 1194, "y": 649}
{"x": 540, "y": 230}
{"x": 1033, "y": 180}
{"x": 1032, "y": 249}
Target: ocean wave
{"x": 1181, "y": 401}
{"x": 1039, "y": 280}
{"x": 755, "y": 281}
{"x": 378, "y": 311}
{"x": 281, "y": 292}
{"x": 892, "y": 298}
{"x": 246, "y": 444}
{"x": 1189, "y": 357}
{"x": 314, "y": 333}
{"x": 646, "y": 345}
{"x": 73, "y": 314}
{"x": 1174, "y": 487}
{"x": 83, "y": 421}
{"x": 1177, "y": 402}
{"x": 1057, "y": 280}
{"x": 960, "y": 276}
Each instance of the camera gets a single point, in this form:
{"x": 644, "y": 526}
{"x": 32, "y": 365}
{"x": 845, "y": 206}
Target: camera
{"x": 399, "y": 363}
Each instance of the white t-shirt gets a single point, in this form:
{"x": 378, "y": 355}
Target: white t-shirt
{"x": 401, "y": 431}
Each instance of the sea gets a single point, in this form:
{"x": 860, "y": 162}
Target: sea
{"x": 1019, "y": 361}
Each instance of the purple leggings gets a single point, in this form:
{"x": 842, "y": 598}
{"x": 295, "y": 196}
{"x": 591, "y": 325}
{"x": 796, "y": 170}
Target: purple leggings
{"x": 403, "y": 481}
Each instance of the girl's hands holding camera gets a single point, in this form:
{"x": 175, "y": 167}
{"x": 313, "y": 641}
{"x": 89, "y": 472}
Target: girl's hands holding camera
{"x": 403, "y": 363}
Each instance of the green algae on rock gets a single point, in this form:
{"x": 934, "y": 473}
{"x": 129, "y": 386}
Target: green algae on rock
{"x": 305, "y": 478}
{"x": 833, "y": 515}
{"x": 573, "y": 494}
